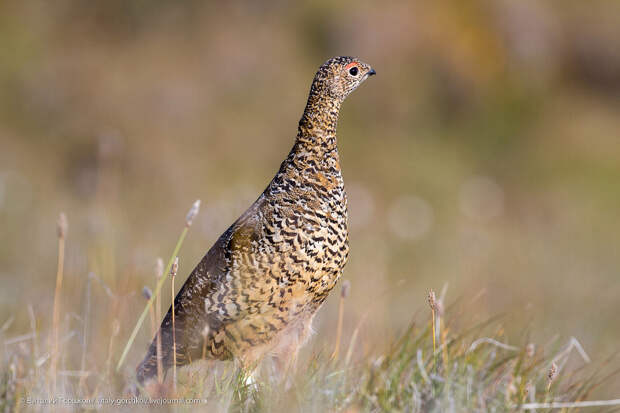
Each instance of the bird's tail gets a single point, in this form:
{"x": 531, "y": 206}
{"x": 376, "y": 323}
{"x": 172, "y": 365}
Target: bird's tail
{"x": 147, "y": 369}
{"x": 187, "y": 339}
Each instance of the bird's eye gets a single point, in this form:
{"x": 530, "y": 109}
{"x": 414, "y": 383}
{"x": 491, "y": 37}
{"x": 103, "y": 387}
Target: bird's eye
{"x": 353, "y": 71}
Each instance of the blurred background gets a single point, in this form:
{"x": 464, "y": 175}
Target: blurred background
{"x": 485, "y": 154}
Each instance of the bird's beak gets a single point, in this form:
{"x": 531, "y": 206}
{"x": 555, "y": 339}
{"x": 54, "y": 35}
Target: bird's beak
{"x": 371, "y": 72}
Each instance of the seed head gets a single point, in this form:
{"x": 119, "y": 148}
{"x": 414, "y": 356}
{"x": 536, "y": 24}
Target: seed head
{"x": 159, "y": 268}
{"x": 553, "y": 371}
{"x": 193, "y": 211}
{"x": 147, "y": 293}
{"x": 175, "y": 267}
{"x": 432, "y": 300}
{"x": 346, "y": 287}
{"x": 62, "y": 225}
{"x": 530, "y": 350}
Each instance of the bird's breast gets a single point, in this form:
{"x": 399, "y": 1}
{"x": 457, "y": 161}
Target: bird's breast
{"x": 310, "y": 226}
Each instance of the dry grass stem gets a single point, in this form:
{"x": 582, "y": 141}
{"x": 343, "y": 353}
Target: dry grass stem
{"x": 551, "y": 375}
{"x": 344, "y": 292}
{"x": 570, "y": 405}
{"x": 33, "y": 329}
{"x": 354, "y": 338}
{"x": 61, "y": 228}
{"x": 159, "y": 273}
{"x": 116, "y": 328}
{"x": 432, "y": 302}
{"x": 85, "y": 327}
{"x": 173, "y": 272}
{"x": 573, "y": 343}
{"x": 7, "y": 324}
{"x": 492, "y": 341}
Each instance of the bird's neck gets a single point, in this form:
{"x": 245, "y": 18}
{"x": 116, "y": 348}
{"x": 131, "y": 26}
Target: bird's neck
{"x": 317, "y": 127}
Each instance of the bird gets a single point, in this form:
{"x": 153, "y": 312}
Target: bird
{"x": 258, "y": 288}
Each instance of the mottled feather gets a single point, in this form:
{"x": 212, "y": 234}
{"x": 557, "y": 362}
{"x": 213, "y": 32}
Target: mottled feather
{"x": 258, "y": 287}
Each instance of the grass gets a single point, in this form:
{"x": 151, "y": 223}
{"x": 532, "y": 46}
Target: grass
{"x": 62, "y": 233}
{"x": 173, "y": 273}
{"x": 433, "y": 365}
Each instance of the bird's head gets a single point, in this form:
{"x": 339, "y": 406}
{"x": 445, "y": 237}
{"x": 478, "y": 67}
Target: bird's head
{"x": 340, "y": 76}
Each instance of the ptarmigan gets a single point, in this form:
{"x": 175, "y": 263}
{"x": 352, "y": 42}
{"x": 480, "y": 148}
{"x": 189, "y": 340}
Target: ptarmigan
{"x": 259, "y": 286}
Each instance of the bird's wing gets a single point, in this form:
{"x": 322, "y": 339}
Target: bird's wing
{"x": 217, "y": 277}
{"x": 210, "y": 280}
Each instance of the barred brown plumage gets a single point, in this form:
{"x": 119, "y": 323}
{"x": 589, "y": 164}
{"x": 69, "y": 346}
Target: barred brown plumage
{"x": 257, "y": 289}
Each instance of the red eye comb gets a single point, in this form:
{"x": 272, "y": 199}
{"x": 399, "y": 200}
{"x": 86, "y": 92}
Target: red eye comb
{"x": 350, "y": 65}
